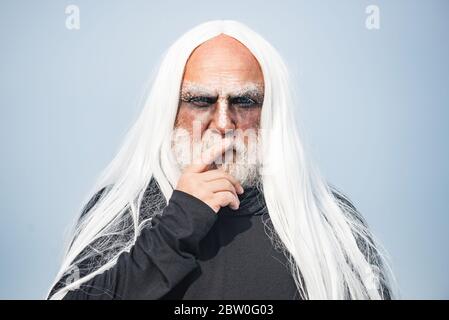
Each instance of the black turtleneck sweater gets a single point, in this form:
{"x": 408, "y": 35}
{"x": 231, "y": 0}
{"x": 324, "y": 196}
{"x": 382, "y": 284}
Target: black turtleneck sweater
{"x": 191, "y": 252}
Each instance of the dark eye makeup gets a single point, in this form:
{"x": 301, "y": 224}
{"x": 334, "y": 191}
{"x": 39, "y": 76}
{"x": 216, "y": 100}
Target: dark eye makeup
{"x": 243, "y": 101}
{"x": 206, "y": 101}
{"x": 200, "y": 101}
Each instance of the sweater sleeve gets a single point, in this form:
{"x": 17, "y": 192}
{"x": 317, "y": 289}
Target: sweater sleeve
{"x": 163, "y": 254}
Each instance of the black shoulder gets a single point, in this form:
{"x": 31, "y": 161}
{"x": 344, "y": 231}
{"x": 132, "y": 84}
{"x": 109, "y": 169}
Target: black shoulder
{"x": 347, "y": 205}
{"x": 365, "y": 242}
{"x": 92, "y": 201}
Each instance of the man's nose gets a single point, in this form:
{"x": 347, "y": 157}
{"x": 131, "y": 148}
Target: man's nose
{"x": 222, "y": 118}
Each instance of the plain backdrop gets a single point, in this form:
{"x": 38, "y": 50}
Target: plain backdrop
{"x": 374, "y": 107}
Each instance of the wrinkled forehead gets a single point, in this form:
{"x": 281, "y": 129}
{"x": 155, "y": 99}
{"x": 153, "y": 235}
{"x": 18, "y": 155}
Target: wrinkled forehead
{"x": 222, "y": 63}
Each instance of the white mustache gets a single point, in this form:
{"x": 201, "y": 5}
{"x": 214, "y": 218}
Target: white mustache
{"x": 237, "y": 144}
{"x": 243, "y": 165}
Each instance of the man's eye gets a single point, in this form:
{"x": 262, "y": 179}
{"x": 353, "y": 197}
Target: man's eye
{"x": 243, "y": 101}
{"x": 201, "y": 101}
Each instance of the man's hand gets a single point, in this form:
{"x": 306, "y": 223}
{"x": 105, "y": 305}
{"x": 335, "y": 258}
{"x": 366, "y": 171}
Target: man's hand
{"x": 214, "y": 187}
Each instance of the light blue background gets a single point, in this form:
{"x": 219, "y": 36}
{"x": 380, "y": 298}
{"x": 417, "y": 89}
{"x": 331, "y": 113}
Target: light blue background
{"x": 375, "y": 109}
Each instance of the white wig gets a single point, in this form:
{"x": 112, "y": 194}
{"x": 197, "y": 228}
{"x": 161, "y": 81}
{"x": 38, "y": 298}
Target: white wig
{"x": 330, "y": 252}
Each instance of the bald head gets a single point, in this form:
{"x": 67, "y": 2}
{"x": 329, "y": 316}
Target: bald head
{"x": 223, "y": 61}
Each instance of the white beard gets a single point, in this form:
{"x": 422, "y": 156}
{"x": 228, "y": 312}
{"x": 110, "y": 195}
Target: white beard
{"x": 241, "y": 161}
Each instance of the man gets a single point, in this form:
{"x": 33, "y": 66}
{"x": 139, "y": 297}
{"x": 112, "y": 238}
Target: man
{"x": 212, "y": 195}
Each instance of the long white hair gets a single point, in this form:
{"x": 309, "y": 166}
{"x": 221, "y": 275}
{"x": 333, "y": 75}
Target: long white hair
{"x": 331, "y": 254}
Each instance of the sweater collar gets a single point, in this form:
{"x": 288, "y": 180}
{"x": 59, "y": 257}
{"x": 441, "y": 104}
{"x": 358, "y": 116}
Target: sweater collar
{"x": 252, "y": 202}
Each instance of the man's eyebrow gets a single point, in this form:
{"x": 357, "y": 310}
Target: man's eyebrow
{"x": 253, "y": 90}
{"x": 191, "y": 88}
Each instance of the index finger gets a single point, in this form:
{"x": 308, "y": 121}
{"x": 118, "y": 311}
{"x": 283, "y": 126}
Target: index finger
{"x": 202, "y": 162}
